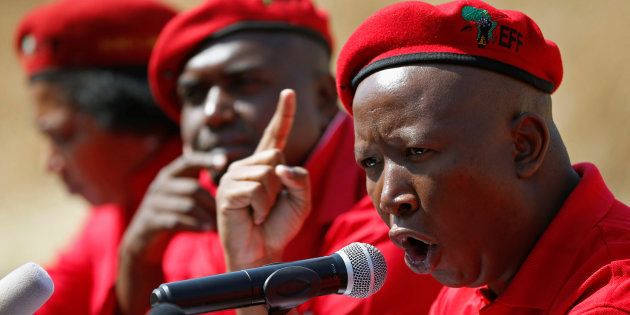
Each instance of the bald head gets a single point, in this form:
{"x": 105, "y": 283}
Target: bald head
{"x": 462, "y": 158}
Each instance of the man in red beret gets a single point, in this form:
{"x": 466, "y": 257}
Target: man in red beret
{"x": 87, "y": 63}
{"x": 454, "y": 128}
{"x": 219, "y": 69}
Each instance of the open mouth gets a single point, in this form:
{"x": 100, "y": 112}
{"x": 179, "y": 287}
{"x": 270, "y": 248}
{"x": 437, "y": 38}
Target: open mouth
{"x": 420, "y": 254}
{"x": 417, "y": 248}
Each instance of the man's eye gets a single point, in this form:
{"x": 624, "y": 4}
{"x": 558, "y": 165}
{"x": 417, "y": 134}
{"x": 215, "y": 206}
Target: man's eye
{"x": 246, "y": 85}
{"x": 193, "y": 95}
{"x": 369, "y": 162}
{"x": 416, "y": 151}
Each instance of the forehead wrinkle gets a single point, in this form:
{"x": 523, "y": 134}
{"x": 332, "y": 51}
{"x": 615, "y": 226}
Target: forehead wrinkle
{"x": 403, "y": 130}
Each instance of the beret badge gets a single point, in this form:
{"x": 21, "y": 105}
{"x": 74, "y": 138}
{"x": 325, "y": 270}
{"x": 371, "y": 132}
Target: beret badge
{"x": 485, "y": 24}
{"x": 28, "y": 45}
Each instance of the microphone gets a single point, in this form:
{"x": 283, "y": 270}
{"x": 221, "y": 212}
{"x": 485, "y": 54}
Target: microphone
{"x": 357, "y": 270}
{"x": 25, "y": 290}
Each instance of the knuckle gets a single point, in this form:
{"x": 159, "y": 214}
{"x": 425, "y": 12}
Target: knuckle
{"x": 267, "y": 170}
{"x": 234, "y": 165}
{"x": 171, "y": 223}
{"x": 186, "y": 205}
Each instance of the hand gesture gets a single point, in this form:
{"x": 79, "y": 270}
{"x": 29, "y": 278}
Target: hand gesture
{"x": 261, "y": 203}
{"x": 174, "y": 202}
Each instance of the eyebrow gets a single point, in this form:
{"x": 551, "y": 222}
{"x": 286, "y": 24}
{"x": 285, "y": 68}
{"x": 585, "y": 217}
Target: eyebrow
{"x": 241, "y": 67}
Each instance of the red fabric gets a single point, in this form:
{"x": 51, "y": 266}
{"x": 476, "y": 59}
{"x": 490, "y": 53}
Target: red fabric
{"x": 362, "y": 224}
{"x": 419, "y": 28}
{"x": 188, "y": 31}
{"x": 338, "y": 184}
{"x": 85, "y": 272}
{"x": 90, "y": 33}
{"x": 580, "y": 265}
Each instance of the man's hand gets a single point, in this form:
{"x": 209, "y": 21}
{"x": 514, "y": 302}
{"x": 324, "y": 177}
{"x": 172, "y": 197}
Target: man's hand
{"x": 261, "y": 203}
{"x": 174, "y": 202}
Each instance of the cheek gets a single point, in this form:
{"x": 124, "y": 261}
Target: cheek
{"x": 465, "y": 202}
{"x": 90, "y": 160}
{"x": 374, "y": 191}
{"x": 449, "y": 192}
{"x": 256, "y": 114}
{"x": 191, "y": 122}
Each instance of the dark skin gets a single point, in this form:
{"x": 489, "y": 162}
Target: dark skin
{"x": 229, "y": 91}
{"x": 465, "y": 166}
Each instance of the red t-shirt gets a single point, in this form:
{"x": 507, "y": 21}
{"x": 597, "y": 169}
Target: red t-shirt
{"x": 337, "y": 186}
{"x": 580, "y": 265}
{"x": 85, "y": 272}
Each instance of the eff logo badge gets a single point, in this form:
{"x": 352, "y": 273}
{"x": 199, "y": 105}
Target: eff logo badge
{"x": 485, "y": 24}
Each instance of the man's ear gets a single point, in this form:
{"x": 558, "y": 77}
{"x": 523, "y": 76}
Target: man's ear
{"x": 531, "y": 138}
{"x": 326, "y": 99}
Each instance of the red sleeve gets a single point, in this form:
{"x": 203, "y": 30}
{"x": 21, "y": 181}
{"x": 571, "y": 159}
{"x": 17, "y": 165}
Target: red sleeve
{"x": 84, "y": 273}
{"x": 71, "y": 274}
{"x": 404, "y": 292}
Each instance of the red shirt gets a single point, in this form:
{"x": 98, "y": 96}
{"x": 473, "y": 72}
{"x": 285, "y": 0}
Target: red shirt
{"x": 580, "y": 265}
{"x": 337, "y": 186}
{"x": 85, "y": 272}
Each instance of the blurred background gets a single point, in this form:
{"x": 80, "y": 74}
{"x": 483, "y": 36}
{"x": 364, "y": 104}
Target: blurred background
{"x": 591, "y": 108}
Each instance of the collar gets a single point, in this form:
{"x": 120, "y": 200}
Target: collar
{"x": 556, "y": 250}
{"x": 336, "y": 181}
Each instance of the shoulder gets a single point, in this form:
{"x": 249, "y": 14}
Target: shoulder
{"x": 606, "y": 289}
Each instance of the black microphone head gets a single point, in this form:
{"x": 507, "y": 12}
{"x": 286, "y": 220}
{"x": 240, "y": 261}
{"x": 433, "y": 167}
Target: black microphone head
{"x": 366, "y": 267}
{"x": 166, "y": 309}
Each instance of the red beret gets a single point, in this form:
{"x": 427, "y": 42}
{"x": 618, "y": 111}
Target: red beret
{"x": 90, "y": 33}
{"x": 468, "y": 32}
{"x": 214, "y": 19}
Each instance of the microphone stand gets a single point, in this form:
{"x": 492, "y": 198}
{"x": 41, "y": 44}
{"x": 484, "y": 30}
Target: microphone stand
{"x": 289, "y": 287}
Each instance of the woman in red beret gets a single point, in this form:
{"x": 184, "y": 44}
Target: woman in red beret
{"x": 87, "y": 64}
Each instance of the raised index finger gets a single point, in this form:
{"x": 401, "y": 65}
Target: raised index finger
{"x": 276, "y": 134}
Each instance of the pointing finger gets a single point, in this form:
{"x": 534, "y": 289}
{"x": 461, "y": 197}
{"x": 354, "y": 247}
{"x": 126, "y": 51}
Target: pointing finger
{"x": 276, "y": 134}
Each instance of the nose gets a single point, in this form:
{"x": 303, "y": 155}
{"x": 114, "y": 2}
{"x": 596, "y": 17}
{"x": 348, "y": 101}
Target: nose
{"x": 55, "y": 162}
{"x": 398, "y": 197}
{"x": 218, "y": 108}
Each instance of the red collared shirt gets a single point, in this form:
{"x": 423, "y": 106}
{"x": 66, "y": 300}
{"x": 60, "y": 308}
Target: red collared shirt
{"x": 580, "y": 265}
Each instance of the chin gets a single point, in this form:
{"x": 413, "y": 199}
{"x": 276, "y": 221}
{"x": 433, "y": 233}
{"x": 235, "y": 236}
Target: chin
{"x": 453, "y": 279}
{"x": 100, "y": 199}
